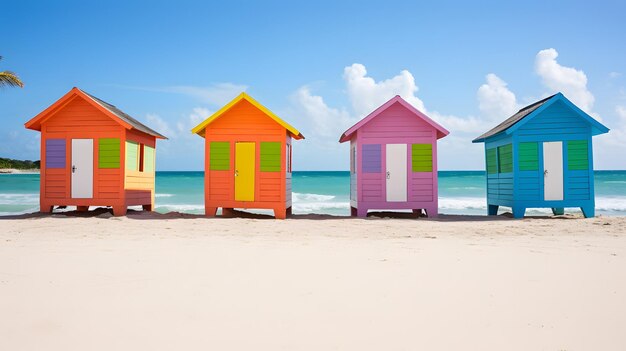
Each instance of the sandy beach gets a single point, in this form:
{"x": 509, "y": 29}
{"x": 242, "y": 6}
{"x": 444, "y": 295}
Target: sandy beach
{"x": 164, "y": 282}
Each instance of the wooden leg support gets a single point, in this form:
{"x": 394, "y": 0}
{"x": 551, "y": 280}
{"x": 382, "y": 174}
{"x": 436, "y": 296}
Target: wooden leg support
{"x": 210, "y": 211}
{"x": 228, "y": 212}
{"x": 558, "y": 211}
{"x": 432, "y": 212}
{"x": 518, "y": 212}
{"x": 588, "y": 211}
{"x": 45, "y": 208}
{"x": 82, "y": 208}
{"x": 280, "y": 213}
{"x": 361, "y": 212}
{"x": 289, "y": 212}
{"x": 119, "y": 210}
{"x": 147, "y": 207}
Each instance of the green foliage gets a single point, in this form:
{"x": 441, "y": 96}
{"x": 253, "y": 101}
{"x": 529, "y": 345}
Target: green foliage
{"x": 10, "y": 79}
{"x": 17, "y": 164}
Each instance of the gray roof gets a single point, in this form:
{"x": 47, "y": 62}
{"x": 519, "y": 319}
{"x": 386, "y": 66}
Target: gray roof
{"x": 509, "y": 122}
{"x": 124, "y": 117}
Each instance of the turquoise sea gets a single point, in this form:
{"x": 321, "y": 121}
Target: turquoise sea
{"x": 460, "y": 192}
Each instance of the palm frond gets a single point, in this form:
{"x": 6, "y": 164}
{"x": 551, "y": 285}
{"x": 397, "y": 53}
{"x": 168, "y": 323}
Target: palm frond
{"x": 10, "y": 79}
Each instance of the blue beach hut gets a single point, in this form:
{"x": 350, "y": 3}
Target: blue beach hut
{"x": 542, "y": 157}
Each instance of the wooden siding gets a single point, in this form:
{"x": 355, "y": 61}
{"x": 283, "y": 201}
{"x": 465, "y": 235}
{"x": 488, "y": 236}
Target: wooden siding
{"x": 353, "y": 173}
{"x": 422, "y": 185}
{"x": 557, "y": 122}
{"x": 245, "y": 123}
{"x": 396, "y": 125}
{"x": 78, "y": 119}
{"x": 499, "y": 185}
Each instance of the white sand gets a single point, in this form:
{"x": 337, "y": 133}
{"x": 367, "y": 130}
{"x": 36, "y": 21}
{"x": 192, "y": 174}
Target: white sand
{"x": 302, "y": 284}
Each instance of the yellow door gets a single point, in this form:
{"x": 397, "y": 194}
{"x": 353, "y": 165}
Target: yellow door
{"x": 244, "y": 171}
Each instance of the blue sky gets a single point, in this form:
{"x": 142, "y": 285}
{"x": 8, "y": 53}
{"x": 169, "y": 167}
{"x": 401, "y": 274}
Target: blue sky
{"x": 319, "y": 65}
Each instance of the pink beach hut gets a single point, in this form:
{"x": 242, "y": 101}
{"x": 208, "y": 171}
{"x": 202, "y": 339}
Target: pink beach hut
{"x": 393, "y": 160}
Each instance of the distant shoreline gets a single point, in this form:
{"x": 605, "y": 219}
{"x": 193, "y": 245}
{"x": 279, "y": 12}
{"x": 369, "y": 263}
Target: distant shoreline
{"x": 18, "y": 171}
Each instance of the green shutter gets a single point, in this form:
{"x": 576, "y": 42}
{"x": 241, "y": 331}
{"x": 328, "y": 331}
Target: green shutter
{"x": 492, "y": 161}
{"x": 422, "y": 157}
{"x": 148, "y": 159}
{"x": 577, "y": 155}
{"x": 132, "y": 156}
{"x": 505, "y": 158}
{"x": 270, "y": 157}
{"x": 528, "y": 156}
{"x": 219, "y": 158}
{"x": 109, "y": 153}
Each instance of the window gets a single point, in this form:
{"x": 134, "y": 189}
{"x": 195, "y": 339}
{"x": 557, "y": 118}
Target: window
{"x": 528, "y": 156}
{"x": 288, "y": 157}
{"x": 353, "y": 159}
{"x": 371, "y": 158}
{"x": 492, "y": 161}
{"x": 55, "y": 153}
{"x": 219, "y": 156}
{"x": 422, "y": 157}
{"x": 577, "y": 155}
{"x": 270, "y": 156}
{"x": 141, "y": 157}
{"x": 149, "y": 160}
{"x": 132, "y": 156}
{"x": 505, "y": 158}
{"x": 109, "y": 153}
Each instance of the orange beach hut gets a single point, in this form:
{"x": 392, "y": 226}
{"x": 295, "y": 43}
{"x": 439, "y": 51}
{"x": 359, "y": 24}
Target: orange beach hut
{"x": 93, "y": 154}
{"x": 247, "y": 158}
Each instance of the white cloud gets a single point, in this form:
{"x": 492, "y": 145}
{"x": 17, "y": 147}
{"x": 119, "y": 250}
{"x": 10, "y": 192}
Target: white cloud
{"x": 324, "y": 121}
{"x": 366, "y": 94}
{"x": 614, "y": 75}
{"x": 568, "y": 80}
{"x": 495, "y": 100}
{"x": 160, "y": 125}
{"x": 617, "y": 134}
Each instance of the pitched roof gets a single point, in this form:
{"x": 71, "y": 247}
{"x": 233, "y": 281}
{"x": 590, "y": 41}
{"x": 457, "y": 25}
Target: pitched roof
{"x": 441, "y": 131}
{"x": 123, "y": 116}
{"x": 529, "y": 112}
{"x": 199, "y": 129}
{"x": 112, "y": 111}
{"x": 509, "y": 122}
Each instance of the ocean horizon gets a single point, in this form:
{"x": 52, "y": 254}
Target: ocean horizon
{"x": 318, "y": 192}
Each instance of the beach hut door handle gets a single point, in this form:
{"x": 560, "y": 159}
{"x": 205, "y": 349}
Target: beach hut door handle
{"x": 388, "y": 175}
{"x": 73, "y": 169}
{"x": 545, "y": 173}
{"x": 236, "y": 173}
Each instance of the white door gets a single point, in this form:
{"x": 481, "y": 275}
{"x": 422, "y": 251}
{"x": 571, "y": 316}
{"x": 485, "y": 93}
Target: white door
{"x": 553, "y": 170}
{"x": 82, "y": 168}
{"x": 396, "y": 172}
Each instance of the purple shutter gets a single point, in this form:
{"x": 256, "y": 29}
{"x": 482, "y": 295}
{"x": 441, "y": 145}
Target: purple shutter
{"x": 55, "y": 153}
{"x": 371, "y": 158}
